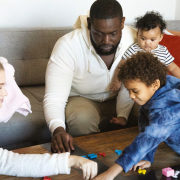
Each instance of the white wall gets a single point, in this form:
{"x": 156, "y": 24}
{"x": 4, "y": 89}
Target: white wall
{"x": 63, "y": 13}
{"x": 134, "y": 8}
{"x": 177, "y": 15}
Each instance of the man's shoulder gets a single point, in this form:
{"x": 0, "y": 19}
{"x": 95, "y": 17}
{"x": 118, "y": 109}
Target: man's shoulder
{"x": 66, "y": 42}
{"x": 129, "y": 29}
{"x": 71, "y": 36}
{"x": 129, "y": 36}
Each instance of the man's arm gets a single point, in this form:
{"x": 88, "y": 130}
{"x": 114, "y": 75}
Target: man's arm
{"x": 59, "y": 75}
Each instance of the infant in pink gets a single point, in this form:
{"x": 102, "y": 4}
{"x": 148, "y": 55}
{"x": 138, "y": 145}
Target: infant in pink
{"x": 15, "y": 101}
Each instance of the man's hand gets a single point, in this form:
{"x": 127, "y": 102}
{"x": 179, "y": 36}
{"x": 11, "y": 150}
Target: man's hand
{"x": 61, "y": 141}
{"x": 119, "y": 120}
{"x": 142, "y": 164}
{"x": 88, "y": 167}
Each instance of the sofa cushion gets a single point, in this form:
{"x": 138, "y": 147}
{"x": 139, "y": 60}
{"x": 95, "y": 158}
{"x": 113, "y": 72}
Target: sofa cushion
{"x": 22, "y": 130}
{"x": 28, "y": 50}
{"x": 35, "y": 93}
{"x": 30, "y": 72}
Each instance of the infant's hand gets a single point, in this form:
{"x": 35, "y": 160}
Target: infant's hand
{"x": 118, "y": 120}
{"x": 142, "y": 164}
{"x": 88, "y": 167}
{"x": 115, "y": 86}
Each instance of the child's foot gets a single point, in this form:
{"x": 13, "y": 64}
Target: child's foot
{"x": 115, "y": 87}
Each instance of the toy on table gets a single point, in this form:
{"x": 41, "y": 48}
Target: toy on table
{"x": 141, "y": 171}
{"x": 168, "y": 172}
{"x": 84, "y": 156}
{"x": 92, "y": 156}
{"x": 118, "y": 152}
{"x": 46, "y": 178}
{"x": 102, "y": 154}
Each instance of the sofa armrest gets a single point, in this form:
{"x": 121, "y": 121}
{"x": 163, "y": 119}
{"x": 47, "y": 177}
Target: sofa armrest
{"x": 176, "y": 33}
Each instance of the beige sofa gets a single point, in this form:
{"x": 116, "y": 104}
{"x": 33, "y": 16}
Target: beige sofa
{"x": 28, "y": 50}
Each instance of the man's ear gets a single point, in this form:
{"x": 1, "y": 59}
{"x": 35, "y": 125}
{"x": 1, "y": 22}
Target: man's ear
{"x": 122, "y": 22}
{"x": 156, "y": 85}
{"x": 89, "y": 23}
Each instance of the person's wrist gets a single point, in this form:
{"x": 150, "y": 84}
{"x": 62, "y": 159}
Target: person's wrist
{"x": 70, "y": 161}
{"x": 114, "y": 170}
{"x": 58, "y": 130}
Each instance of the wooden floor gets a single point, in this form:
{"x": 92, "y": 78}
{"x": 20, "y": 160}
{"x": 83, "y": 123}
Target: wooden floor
{"x": 107, "y": 142}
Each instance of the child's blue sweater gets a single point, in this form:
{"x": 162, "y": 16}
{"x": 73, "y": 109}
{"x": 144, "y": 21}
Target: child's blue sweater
{"x": 159, "y": 120}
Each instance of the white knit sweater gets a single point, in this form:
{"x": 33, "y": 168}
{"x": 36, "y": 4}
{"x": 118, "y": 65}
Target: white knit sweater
{"x": 33, "y": 165}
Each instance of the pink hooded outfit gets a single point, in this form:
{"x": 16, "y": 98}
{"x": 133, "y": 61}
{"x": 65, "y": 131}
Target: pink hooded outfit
{"x": 15, "y": 101}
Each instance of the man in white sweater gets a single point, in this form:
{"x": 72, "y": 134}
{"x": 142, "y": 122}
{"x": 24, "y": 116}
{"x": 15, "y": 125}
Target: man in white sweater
{"x": 79, "y": 74}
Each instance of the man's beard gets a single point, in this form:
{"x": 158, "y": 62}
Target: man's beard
{"x": 100, "y": 52}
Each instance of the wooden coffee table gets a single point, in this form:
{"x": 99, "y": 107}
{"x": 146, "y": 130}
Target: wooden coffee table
{"x": 108, "y": 142}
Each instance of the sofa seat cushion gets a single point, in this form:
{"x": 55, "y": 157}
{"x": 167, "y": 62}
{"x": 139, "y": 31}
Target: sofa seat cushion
{"x": 31, "y": 128}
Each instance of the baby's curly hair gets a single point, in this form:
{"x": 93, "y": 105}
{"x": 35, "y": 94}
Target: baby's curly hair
{"x": 143, "y": 66}
{"x": 150, "y": 21}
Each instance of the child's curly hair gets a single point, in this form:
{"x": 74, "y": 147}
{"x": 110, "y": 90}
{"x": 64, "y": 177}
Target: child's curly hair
{"x": 143, "y": 66}
{"x": 150, "y": 21}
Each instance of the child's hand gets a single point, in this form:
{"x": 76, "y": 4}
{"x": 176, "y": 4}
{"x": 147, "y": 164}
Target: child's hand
{"x": 115, "y": 87}
{"x": 88, "y": 167}
{"x": 118, "y": 120}
{"x": 142, "y": 164}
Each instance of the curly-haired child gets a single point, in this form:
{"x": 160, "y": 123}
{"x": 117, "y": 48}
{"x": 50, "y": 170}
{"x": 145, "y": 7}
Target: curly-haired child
{"x": 150, "y": 32}
{"x": 146, "y": 79}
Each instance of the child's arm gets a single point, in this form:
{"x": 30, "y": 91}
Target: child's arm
{"x": 114, "y": 170}
{"x": 115, "y": 82}
{"x": 39, "y": 165}
{"x": 141, "y": 164}
{"x": 145, "y": 143}
{"x": 174, "y": 70}
{"x": 110, "y": 174}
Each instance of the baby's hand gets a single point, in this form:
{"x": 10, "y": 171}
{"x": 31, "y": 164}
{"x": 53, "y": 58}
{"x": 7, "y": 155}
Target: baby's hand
{"x": 118, "y": 120}
{"x": 88, "y": 167}
{"x": 115, "y": 86}
{"x": 142, "y": 164}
